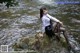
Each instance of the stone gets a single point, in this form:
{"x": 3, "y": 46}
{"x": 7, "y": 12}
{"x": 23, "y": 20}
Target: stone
{"x": 40, "y": 42}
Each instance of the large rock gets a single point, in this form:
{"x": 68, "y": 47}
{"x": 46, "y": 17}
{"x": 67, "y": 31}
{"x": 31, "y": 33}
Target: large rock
{"x": 39, "y": 43}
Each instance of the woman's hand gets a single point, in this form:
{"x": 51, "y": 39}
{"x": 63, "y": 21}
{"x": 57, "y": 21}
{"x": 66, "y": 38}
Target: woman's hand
{"x": 61, "y": 23}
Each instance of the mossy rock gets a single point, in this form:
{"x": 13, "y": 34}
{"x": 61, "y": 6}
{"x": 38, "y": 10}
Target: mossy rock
{"x": 39, "y": 43}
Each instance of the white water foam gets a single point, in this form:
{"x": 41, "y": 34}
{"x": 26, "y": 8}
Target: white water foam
{"x": 48, "y": 2}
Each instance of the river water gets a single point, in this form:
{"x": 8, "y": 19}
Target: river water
{"x": 22, "y": 20}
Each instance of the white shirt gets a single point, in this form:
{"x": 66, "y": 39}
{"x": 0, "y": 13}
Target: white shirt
{"x": 46, "y": 21}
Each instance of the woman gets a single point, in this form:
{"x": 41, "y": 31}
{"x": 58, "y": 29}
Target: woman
{"x": 46, "y": 24}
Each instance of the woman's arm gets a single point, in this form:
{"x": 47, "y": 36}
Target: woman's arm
{"x": 53, "y": 18}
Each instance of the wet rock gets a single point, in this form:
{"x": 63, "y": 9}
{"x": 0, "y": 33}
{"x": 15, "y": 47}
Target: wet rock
{"x": 39, "y": 42}
{"x": 25, "y": 39}
{"x": 14, "y": 15}
{"x": 75, "y": 20}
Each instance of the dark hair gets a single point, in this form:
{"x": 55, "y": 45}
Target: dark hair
{"x": 41, "y": 11}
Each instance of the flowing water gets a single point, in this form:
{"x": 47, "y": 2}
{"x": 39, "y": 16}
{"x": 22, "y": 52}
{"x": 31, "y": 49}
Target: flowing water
{"x": 22, "y": 20}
